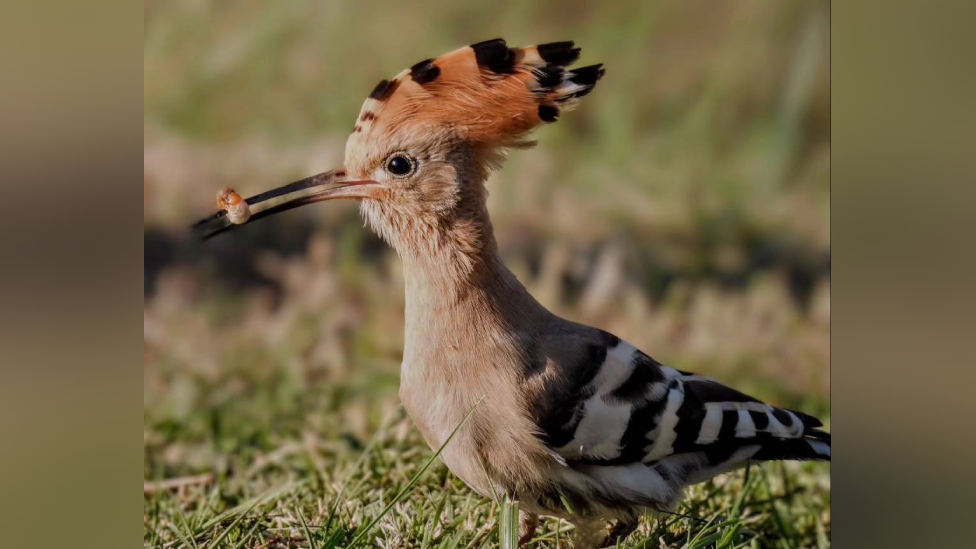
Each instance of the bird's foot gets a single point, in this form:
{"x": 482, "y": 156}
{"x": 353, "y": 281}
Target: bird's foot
{"x": 527, "y": 525}
{"x": 589, "y": 533}
{"x": 619, "y": 533}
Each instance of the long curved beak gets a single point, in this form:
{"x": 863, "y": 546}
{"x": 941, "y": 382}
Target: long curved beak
{"x": 324, "y": 186}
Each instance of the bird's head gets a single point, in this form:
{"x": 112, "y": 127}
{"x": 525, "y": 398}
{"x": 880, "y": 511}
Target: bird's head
{"x": 425, "y": 141}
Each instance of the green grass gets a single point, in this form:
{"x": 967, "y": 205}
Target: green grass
{"x": 301, "y": 475}
{"x": 384, "y": 496}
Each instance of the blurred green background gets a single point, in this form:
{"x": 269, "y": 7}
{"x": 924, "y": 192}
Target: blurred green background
{"x": 683, "y": 206}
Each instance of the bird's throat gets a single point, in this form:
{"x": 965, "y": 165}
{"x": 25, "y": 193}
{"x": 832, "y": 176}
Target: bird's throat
{"x": 462, "y": 298}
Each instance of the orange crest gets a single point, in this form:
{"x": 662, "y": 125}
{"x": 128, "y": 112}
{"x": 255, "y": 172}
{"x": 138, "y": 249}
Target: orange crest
{"x": 485, "y": 93}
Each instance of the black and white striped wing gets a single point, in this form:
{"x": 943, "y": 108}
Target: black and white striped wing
{"x": 629, "y": 408}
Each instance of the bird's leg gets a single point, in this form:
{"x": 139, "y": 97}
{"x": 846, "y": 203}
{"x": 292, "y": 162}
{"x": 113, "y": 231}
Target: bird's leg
{"x": 589, "y": 533}
{"x": 620, "y": 531}
{"x": 527, "y": 525}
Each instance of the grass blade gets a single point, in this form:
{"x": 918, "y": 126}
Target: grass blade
{"x": 731, "y": 535}
{"x": 187, "y": 542}
{"x": 435, "y": 519}
{"x": 777, "y": 516}
{"x": 508, "y": 524}
{"x": 190, "y": 543}
{"x": 334, "y": 540}
{"x": 245, "y": 507}
{"x": 247, "y": 536}
{"x": 305, "y": 529}
{"x": 220, "y": 537}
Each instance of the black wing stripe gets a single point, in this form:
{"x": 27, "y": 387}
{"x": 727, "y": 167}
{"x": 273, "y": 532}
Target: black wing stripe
{"x": 712, "y": 391}
{"x": 730, "y": 419}
{"x": 691, "y": 416}
{"x": 642, "y": 421}
{"x": 760, "y": 419}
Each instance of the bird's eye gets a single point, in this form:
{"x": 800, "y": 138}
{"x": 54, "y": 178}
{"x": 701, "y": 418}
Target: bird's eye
{"x": 401, "y": 165}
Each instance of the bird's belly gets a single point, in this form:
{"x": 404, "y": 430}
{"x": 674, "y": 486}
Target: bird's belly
{"x": 437, "y": 410}
{"x": 460, "y": 453}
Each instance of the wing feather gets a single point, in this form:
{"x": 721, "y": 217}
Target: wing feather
{"x": 629, "y": 408}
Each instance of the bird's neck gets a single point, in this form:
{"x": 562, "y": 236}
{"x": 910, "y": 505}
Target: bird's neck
{"x": 458, "y": 290}
{"x": 458, "y": 267}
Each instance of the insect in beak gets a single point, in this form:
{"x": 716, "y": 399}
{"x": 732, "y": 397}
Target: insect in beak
{"x": 236, "y": 211}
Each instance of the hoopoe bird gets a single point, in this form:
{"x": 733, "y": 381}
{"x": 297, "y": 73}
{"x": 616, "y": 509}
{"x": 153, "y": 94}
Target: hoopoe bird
{"x": 571, "y": 421}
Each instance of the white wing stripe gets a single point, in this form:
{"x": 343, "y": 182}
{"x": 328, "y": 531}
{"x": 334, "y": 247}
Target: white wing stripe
{"x": 600, "y": 430}
{"x": 657, "y": 391}
{"x": 711, "y": 425}
{"x": 821, "y": 448}
{"x": 746, "y": 428}
{"x": 664, "y": 434}
{"x": 616, "y": 368}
